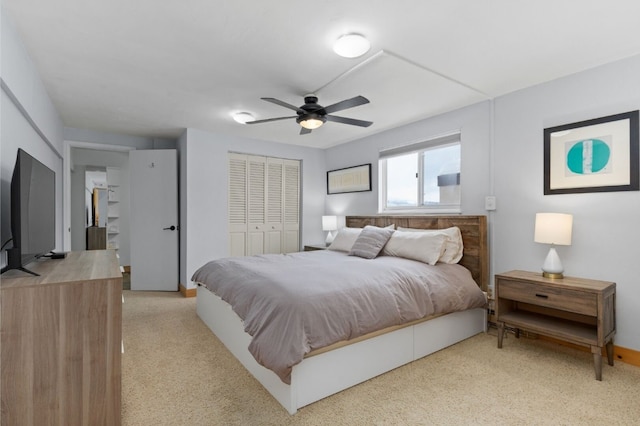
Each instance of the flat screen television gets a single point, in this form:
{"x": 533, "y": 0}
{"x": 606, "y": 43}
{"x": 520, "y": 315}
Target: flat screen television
{"x": 33, "y": 212}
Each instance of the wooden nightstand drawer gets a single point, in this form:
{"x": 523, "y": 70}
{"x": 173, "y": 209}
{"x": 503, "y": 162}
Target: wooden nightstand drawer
{"x": 552, "y": 297}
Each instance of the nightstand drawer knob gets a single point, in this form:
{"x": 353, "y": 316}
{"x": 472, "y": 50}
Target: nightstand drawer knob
{"x": 542, "y": 296}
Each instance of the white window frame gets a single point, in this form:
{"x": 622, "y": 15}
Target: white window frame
{"x": 436, "y": 142}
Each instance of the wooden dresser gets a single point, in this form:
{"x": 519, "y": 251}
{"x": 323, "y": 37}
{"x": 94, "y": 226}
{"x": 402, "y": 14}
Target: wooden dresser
{"x": 61, "y": 336}
{"x": 576, "y": 310}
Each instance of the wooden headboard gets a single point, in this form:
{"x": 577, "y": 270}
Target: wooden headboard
{"x": 474, "y": 237}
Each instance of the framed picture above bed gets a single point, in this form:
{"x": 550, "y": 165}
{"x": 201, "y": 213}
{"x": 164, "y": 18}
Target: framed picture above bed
{"x": 350, "y": 179}
{"x": 597, "y": 155}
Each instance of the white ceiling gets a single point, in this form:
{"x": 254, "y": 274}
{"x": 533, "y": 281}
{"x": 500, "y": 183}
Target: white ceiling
{"x": 155, "y": 67}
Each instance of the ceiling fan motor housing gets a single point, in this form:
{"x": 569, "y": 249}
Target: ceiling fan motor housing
{"x": 311, "y": 106}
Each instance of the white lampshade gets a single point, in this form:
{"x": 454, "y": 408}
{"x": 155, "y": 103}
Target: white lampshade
{"x": 329, "y": 223}
{"x": 554, "y": 229}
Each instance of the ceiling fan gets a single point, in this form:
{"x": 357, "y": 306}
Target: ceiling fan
{"x": 312, "y": 115}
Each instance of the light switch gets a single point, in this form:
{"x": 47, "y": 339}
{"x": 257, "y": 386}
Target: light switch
{"x": 490, "y": 202}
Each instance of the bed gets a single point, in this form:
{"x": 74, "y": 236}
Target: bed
{"x": 326, "y": 370}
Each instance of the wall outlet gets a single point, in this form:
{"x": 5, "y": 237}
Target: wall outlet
{"x": 490, "y": 202}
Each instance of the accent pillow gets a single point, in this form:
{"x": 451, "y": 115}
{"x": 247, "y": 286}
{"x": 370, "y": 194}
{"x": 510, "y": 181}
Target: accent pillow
{"x": 453, "y": 246}
{"x": 345, "y": 239}
{"x": 423, "y": 247}
{"x": 370, "y": 242}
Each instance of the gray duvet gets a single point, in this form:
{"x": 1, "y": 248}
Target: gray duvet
{"x": 294, "y": 303}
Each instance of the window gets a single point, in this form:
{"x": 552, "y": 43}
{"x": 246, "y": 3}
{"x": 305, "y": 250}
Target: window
{"x": 422, "y": 176}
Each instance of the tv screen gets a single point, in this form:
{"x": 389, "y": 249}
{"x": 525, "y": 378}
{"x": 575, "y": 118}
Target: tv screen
{"x": 33, "y": 211}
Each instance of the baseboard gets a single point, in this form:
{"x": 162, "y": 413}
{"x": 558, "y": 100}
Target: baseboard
{"x": 188, "y": 292}
{"x": 628, "y": 356}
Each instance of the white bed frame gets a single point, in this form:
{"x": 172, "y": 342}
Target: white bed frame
{"x": 327, "y": 373}
{"x": 330, "y": 372}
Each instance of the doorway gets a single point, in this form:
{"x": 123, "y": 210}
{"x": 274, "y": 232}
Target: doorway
{"x": 89, "y": 161}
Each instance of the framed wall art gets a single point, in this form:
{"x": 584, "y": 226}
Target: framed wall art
{"x": 350, "y": 179}
{"x": 597, "y": 155}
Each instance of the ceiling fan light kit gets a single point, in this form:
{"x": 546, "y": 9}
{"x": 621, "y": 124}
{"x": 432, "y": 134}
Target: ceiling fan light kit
{"x": 311, "y": 121}
{"x": 351, "y": 45}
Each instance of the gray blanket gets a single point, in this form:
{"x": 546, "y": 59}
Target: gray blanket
{"x": 294, "y": 303}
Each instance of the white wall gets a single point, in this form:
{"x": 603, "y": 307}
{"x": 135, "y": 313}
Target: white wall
{"x": 203, "y": 193}
{"x": 29, "y": 121}
{"x": 605, "y": 229}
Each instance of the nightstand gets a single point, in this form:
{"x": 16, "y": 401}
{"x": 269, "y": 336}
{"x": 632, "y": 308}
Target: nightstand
{"x": 575, "y": 310}
{"x": 313, "y": 247}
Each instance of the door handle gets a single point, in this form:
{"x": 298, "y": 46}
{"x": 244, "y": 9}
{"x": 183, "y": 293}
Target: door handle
{"x": 171, "y": 228}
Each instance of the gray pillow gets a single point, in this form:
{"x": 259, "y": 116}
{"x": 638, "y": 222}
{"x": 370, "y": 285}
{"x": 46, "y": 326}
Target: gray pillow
{"x": 370, "y": 242}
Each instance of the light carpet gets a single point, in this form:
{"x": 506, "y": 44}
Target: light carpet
{"x": 176, "y": 372}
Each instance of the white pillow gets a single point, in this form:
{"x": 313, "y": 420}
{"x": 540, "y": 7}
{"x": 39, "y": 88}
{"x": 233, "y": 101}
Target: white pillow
{"x": 420, "y": 246}
{"x": 453, "y": 246}
{"x": 345, "y": 239}
{"x": 347, "y": 236}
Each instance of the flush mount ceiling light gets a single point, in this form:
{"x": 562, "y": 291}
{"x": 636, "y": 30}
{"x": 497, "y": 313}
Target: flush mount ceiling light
{"x": 242, "y": 117}
{"x": 351, "y": 45}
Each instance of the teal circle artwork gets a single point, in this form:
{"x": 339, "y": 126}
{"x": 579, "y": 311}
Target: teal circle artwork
{"x": 598, "y": 155}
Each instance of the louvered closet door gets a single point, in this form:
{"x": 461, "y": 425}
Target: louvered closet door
{"x": 256, "y": 224}
{"x": 273, "y": 228}
{"x": 264, "y": 205}
{"x": 237, "y": 204}
{"x": 291, "y": 206}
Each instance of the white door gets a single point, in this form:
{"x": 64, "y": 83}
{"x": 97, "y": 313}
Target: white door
{"x": 154, "y": 219}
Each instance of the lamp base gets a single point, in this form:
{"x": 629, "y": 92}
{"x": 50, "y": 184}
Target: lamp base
{"x": 552, "y": 267}
{"x": 553, "y": 275}
{"x": 330, "y": 237}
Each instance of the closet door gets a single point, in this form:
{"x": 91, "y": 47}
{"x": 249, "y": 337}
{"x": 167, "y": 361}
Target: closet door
{"x": 264, "y": 205}
{"x": 237, "y": 203}
{"x": 291, "y": 206}
{"x": 256, "y": 224}
{"x": 274, "y": 207}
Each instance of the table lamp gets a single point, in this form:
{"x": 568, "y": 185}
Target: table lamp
{"x": 554, "y": 229}
{"x": 330, "y": 223}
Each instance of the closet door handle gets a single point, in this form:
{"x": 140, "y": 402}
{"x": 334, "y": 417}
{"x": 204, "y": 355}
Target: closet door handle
{"x": 171, "y": 228}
